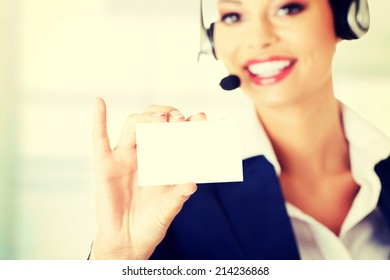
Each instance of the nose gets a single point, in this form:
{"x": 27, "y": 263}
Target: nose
{"x": 261, "y": 34}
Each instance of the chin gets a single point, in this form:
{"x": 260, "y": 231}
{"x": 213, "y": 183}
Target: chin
{"x": 272, "y": 97}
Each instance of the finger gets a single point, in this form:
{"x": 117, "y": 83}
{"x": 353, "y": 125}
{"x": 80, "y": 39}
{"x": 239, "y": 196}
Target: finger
{"x": 174, "y": 115}
{"x": 197, "y": 117}
{"x": 127, "y": 139}
{"x": 101, "y": 141}
{"x": 174, "y": 201}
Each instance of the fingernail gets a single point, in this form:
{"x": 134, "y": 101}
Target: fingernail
{"x": 176, "y": 114}
{"x": 159, "y": 115}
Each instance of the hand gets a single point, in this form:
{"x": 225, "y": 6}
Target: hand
{"x": 132, "y": 220}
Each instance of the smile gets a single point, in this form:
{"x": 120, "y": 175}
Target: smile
{"x": 269, "y": 71}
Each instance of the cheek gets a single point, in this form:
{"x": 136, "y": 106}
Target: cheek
{"x": 315, "y": 45}
{"x": 315, "y": 31}
{"x": 225, "y": 47}
{"x": 318, "y": 39}
{"x": 315, "y": 54}
{"x": 321, "y": 33}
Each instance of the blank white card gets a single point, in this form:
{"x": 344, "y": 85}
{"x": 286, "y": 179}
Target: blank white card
{"x": 185, "y": 152}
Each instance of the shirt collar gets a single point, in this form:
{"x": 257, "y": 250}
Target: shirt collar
{"x": 367, "y": 147}
{"x": 365, "y": 140}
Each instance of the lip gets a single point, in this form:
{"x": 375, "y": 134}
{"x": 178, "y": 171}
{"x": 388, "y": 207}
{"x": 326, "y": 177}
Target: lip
{"x": 267, "y": 81}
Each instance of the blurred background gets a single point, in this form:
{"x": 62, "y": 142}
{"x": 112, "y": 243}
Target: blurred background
{"x": 57, "y": 56}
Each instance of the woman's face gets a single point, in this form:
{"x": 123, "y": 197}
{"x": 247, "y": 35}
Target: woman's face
{"x": 282, "y": 50}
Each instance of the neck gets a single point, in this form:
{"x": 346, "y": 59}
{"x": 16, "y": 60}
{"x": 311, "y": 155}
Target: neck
{"x": 309, "y": 137}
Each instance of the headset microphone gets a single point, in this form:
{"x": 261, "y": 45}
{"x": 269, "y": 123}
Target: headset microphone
{"x": 230, "y": 82}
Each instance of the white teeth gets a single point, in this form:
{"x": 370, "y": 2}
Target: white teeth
{"x": 269, "y": 69}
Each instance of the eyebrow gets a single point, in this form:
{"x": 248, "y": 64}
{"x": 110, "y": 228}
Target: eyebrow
{"x": 230, "y": 1}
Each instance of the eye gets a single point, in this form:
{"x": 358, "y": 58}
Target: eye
{"x": 230, "y": 18}
{"x": 290, "y": 9}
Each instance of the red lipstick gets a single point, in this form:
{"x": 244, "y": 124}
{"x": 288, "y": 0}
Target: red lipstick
{"x": 270, "y": 71}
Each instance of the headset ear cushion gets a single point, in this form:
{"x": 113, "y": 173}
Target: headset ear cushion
{"x": 210, "y": 35}
{"x": 340, "y": 18}
{"x": 346, "y": 14}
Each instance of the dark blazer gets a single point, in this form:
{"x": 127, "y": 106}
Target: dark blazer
{"x": 246, "y": 220}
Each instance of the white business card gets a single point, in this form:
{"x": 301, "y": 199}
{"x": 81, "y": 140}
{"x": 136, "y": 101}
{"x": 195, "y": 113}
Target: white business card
{"x": 188, "y": 152}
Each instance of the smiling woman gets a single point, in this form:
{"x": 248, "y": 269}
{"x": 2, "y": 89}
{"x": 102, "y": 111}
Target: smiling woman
{"x": 316, "y": 175}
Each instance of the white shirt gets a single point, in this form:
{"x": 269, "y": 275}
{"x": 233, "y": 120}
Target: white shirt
{"x": 364, "y": 233}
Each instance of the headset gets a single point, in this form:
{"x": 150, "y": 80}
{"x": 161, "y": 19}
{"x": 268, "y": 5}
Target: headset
{"x": 351, "y": 21}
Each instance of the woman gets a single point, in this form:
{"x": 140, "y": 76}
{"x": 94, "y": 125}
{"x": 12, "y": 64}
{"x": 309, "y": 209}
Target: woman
{"x": 309, "y": 192}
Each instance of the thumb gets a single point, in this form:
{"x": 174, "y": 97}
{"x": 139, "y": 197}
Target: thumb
{"x": 173, "y": 203}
